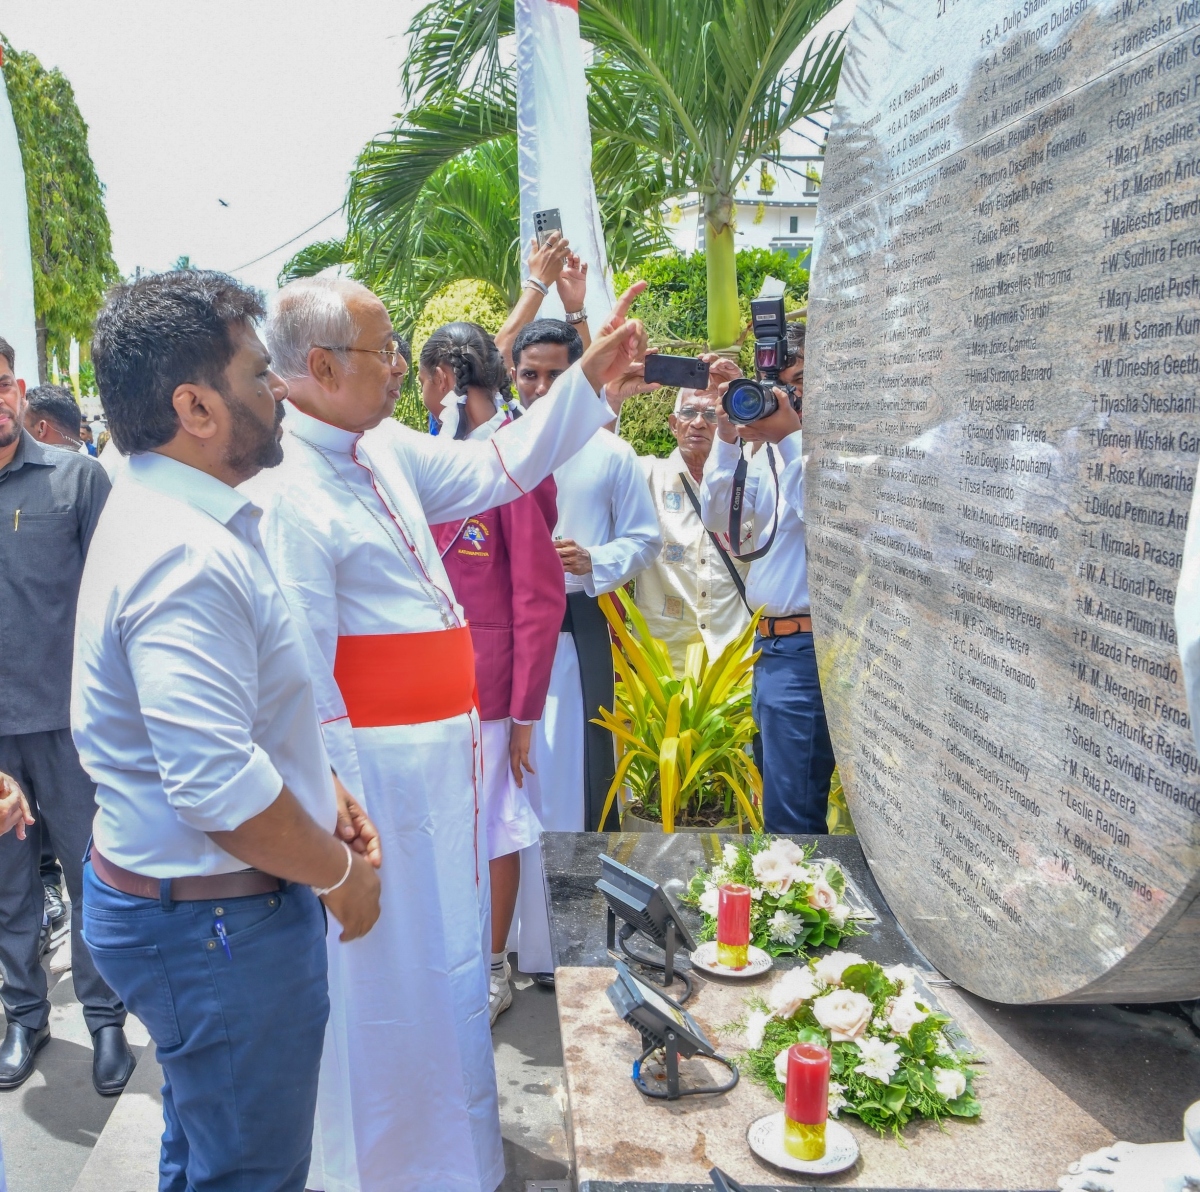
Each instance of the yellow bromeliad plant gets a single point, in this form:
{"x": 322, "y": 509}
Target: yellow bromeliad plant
{"x": 683, "y": 738}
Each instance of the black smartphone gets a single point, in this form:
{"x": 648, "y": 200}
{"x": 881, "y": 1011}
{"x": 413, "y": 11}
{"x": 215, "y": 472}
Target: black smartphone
{"x": 545, "y": 222}
{"x": 682, "y": 372}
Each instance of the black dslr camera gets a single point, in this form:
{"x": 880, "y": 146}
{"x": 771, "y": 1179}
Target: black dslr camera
{"x": 749, "y": 400}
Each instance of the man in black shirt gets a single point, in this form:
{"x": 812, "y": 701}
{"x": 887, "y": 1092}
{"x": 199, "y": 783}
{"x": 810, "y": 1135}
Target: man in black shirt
{"x": 50, "y": 501}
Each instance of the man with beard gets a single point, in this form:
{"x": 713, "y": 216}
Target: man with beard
{"x": 194, "y": 712}
{"x": 50, "y": 502}
{"x": 408, "y": 1090}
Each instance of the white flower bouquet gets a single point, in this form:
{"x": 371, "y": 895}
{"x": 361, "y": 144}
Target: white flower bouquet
{"x": 796, "y": 901}
{"x": 891, "y": 1058}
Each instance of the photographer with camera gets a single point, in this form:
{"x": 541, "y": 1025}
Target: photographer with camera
{"x": 759, "y": 504}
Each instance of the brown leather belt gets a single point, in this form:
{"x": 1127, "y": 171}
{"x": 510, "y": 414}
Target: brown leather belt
{"x": 784, "y": 626}
{"x": 184, "y": 889}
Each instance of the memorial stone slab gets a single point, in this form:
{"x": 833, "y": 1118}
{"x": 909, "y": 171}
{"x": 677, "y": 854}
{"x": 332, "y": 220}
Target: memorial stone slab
{"x": 1002, "y": 427}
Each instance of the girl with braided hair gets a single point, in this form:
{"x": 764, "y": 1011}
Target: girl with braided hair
{"x": 508, "y": 578}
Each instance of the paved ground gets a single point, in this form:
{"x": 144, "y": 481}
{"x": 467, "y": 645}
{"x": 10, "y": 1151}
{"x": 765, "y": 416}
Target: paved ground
{"x": 50, "y": 1125}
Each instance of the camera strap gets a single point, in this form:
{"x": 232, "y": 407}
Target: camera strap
{"x": 733, "y": 571}
{"x": 736, "y": 501}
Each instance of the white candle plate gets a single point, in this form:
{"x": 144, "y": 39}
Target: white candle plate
{"x": 704, "y": 958}
{"x": 765, "y": 1137}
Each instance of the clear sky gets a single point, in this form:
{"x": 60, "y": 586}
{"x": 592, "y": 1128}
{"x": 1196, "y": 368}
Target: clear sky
{"x": 262, "y": 103}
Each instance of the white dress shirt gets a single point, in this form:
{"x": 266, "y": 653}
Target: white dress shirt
{"x": 605, "y": 507}
{"x": 778, "y": 582}
{"x": 191, "y": 703}
{"x": 687, "y": 594}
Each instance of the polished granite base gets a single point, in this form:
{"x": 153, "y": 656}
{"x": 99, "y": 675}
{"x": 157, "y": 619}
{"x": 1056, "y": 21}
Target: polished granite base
{"x": 1057, "y": 1081}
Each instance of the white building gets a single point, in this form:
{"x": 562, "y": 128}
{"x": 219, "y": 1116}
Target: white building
{"x": 776, "y": 202}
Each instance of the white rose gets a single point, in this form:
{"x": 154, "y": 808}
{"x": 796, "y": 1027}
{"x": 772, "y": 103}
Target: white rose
{"x": 902, "y": 975}
{"x": 903, "y": 1014}
{"x": 879, "y": 1059}
{"x": 838, "y": 915}
{"x": 822, "y": 896}
{"x": 795, "y": 986}
{"x": 844, "y": 1014}
{"x": 756, "y": 893}
{"x": 774, "y": 872}
{"x": 950, "y": 1082}
{"x": 830, "y": 968}
{"x": 755, "y": 1025}
{"x": 837, "y": 1097}
{"x": 787, "y": 850}
{"x": 781, "y": 1066}
{"x": 710, "y": 900}
{"x": 730, "y": 855}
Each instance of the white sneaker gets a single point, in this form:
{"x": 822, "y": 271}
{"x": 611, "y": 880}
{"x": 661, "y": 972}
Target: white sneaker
{"x": 500, "y": 994}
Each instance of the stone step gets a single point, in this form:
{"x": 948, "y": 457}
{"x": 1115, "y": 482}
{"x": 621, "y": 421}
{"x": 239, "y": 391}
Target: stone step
{"x": 125, "y": 1157}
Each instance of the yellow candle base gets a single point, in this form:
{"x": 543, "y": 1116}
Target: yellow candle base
{"x": 803, "y": 1141}
{"x": 734, "y": 956}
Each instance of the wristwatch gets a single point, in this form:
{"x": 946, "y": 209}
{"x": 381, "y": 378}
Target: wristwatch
{"x": 579, "y": 316}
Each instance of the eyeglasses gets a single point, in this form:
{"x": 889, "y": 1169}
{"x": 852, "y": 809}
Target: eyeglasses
{"x": 691, "y": 413}
{"x": 390, "y": 356}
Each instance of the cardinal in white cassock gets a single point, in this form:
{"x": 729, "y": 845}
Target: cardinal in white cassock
{"x": 408, "y": 1090}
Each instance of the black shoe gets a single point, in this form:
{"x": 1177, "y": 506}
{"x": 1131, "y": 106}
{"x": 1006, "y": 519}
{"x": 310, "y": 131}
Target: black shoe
{"x": 17, "y": 1053}
{"x": 545, "y": 980}
{"x": 54, "y": 919}
{"x": 112, "y": 1061}
{"x": 55, "y": 909}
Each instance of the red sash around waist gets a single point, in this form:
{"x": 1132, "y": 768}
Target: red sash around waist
{"x": 405, "y": 678}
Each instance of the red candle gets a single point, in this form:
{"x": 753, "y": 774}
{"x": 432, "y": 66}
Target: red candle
{"x": 806, "y": 1100}
{"x": 733, "y": 926}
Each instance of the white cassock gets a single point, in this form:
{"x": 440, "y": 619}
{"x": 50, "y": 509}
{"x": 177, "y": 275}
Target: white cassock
{"x": 408, "y": 1089}
{"x": 604, "y": 505}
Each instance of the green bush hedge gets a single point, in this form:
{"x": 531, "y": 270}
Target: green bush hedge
{"x": 674, "y": 309}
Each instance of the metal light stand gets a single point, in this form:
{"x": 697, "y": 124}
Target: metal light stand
{"x": 669, "y": 974}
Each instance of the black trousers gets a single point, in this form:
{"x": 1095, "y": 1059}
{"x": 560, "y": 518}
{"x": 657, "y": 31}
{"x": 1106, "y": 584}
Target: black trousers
{"x": 586, "y": 624}
{"x": 63, "y": 798}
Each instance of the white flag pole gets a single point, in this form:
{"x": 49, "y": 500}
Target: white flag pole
{"x": 554, "y": 142}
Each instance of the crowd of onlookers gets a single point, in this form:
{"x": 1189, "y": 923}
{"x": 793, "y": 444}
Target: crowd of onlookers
{"x": 280, "y": 582}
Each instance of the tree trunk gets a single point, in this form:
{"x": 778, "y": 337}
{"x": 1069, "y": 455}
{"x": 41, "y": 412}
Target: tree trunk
{"x": 724, "y": 319}
{"x": 43, "y": 362}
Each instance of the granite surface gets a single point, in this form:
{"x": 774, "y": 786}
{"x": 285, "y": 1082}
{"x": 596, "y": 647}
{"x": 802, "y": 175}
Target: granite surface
{"x": 1002, "y": 428}
{"x": 572, "y": 865}
{"x": 1131, "y": 1071}
{"x": 1030, "y": 1129}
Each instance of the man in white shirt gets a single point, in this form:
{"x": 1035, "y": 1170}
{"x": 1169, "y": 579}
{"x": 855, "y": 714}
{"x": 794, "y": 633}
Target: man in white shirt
{"x": 607, "y": 532}
{"x": 194, "y": 714}
{"x": 346, "y": 526}
{"x": 694, "y": 591}
{"x": 793, "y": 749}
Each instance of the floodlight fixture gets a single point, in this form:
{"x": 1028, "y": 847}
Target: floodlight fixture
{"x": 642, "y": 905}
{"x": 664, "y": 1025}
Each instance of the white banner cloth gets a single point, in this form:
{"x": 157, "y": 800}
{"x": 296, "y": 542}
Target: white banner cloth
{"x": 554, "y": 142}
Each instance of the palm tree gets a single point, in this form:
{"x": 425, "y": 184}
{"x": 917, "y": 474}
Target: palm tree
{"x": 684, "y": 95}
{"x": 437, "y": 200}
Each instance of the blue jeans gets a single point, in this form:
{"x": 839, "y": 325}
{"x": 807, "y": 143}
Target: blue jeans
{"x": 239, "y": 1037}
{"x": 792, "y": 750}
